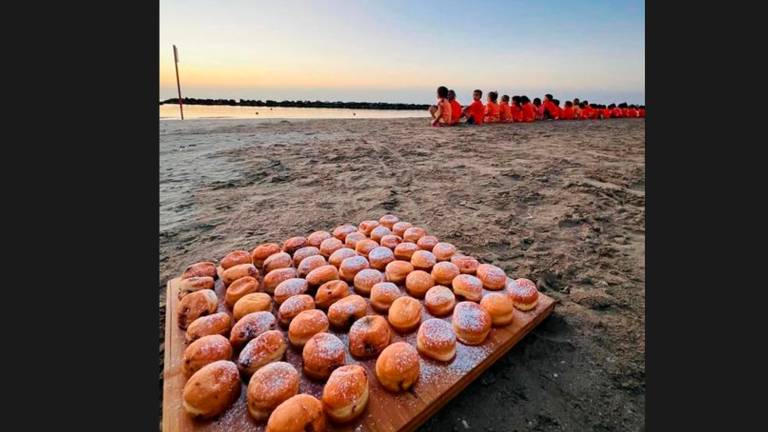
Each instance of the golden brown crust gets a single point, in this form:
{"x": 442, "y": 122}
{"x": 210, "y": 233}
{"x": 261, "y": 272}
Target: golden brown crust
{"x": 352, "y": 238}
{"x": 397, "y": 271}
{"x": 330, "y": 292}
{"x": 379, "y": 232}
{"x": 367, "y": 226}
{"x": 322, "y": 354}
{"x": 404, "y": 314}
{"x": 436, "y": 339}
{"x": 203, "y": 268}
{"x": 423, "y": 260}
{"x": 205, "y": 350}
{"x": 194, "y": 305}
{"x": 294, "y": 306}
{"x": 444, "y": 272}
{"x": 493, "y": 277}
{"x": 212, "y": 389}
{"x": 466, "y": 264}
{"x": 340, "y": 255}
{"x": 468, "y": 287}
{"x": 404, "y": 250}
{"x": 345, "y": 395}
{"x": 317, "y": 237}
{"x": 439, "y": 300}
{"x": 293, "y": 244}
{"x": 236, "y": 257}
{"x": 266, "y": 348}
{"x": 365, "y": 279}
{"x": 382, "y": 296}
{"x": 380, "y": 256}
{"x": 347, "y": 310}
{"x": 500, "y": 306}
{"x": 427, "y": 242}
{"x": 471, "y": 323}
{"x": 237, "y": 289}
{"x": 262, "y": 252}
{"x": 251, "y": 326}
{"x": 398, "y": 367}
{"x": 350, "y": 266}
{"x": 310, "y": 263}
{"x": 195, "y": 283}
{"x": 330, "y": 245}
{"x": 389, "y": 220}
{"x": 322, "y": 275}
{"x": 444, "y": 251}
{"x": 254, "y": 302}
{"x": 524, "y": 294}
{"x": 305, "y": 325}
{"x": 270, "y": 386}
{"x": 214, "y": 324}
{"x": 273, "y": 278}
{"x": 238, "y": 271}
{"x": 368, "y": 336}
{"x": 418, "y": 282}
{"x": 390, "y": 241}
{"x": 399, "y": 228}
{"x": 414, "y": 233}
{"x": 300, "y": 413}
{"x": 306, "y": 251}
{"x": 289, "y": 288}
{"x": 363, "y": 247}
{"x": 276, "y": 261}
{"x": 341, "y": 231}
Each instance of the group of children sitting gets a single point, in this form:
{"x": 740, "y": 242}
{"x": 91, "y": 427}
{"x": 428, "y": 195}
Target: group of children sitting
{"x": 449, "y": 112}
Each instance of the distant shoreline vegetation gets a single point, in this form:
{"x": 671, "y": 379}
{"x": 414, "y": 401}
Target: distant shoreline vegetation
{"x": 298, "y": 104}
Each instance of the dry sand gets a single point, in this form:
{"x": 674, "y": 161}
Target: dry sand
{"x": 561, "y": 203}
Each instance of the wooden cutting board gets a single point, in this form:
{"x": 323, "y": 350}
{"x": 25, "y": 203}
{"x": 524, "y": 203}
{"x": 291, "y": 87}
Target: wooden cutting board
{"x": 438, "y": 383}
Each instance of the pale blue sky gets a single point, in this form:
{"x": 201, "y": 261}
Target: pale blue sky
{"x": 399, "y": 51}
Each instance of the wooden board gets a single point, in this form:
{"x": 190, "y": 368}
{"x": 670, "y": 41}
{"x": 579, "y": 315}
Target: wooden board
{"x": 439, "y": 382}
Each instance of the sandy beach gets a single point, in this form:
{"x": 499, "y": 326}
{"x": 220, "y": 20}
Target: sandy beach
{"x": 561, "y": 203}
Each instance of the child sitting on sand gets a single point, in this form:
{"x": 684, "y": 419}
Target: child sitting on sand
{"x": 441, "y": 112}
{"x": 516, "y": 109}
{"x": 550, "y": 110}
{"x": 455, "y": 107}
{"x": 491, "y": 114}
{"x": 539, "y": 108}
{"x": 528, "y": 110}
{"x": 475, "y": 111}
{"x": 576, "y": 109}
{"x": 505, "y": 112}
{"x": 567, "y": 113}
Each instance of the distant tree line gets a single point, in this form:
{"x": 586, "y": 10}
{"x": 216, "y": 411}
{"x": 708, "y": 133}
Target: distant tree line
{"x": 298, "y": 104}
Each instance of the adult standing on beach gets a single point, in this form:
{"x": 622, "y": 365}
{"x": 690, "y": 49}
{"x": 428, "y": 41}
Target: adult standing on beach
{"x": 441, "y": 112}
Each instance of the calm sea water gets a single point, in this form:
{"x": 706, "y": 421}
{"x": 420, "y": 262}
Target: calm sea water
{"x": 170, "y": 112}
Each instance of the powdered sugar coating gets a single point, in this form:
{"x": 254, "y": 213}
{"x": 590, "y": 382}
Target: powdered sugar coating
{"x": 289, "y": 288}
{"x": 383, "y": 294}
{"x": 294, "y": 306}
{"x": 341, "y": 231}
{"x": 365, "y": 280}
{"x": 439, "y": 300}
{"x": 251, "y": 326}
{"x": 380, "y": 256}
{"x": 304, "y": 252}
{"x": 340, "y": 255}
{"x": 379, "y": 232}
{"x": 330, "y": 245}
{"x": 317, "y": 237}
{"x": 272, "y": 384}
{"x": 436, "y": 332}
{"x": 346, "y": 385}
{"x": 470, "y": 317}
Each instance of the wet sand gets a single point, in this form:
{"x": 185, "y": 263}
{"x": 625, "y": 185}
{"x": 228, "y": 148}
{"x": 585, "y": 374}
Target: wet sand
{"x": 561, "y": 203}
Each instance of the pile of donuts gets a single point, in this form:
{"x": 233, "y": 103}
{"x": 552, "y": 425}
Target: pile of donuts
{"x": 328, "y": 280}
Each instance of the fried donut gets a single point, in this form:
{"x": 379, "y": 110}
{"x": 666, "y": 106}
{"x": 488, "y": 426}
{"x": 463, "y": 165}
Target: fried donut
{"x": 273, "y": 278}
{"x": 205, "y": 350}
{"x": 418, "y": 282}
{"x": 310, "y": 263}
{"x": 322, "y": 275}
{"x": 468, "y": 287}
{"x": 306, "y": 251}
{"x": 399, "y": 228}
{"x": 195, "y": 305}
{"x": 524, "y": 294}
{"x": 365, "y": 246}
{"x": 436, "y": 339}
{"x": 305, "y": 325}
{"x": 194, "y": 283}
{"x": 423, "y": 260}
{"x": 368, "y": 336}
{"x": 299, "y": 413}
{"x": 330, "y": 292}
{"x": 251, "y": 326}
{"x": 471, "y": 323}
{"x": 382, "y": 296}
{"x": 212, "y": 389}
{"x": 379, "y": 232}
{"x": 317, "y": 237}
{"x": 340, "y": 255}
{"x": 236, "y": 257}
{"x": 237, "y": 289}
{"x": 276, "y": 261}
{"x": 352, "y": 238}
{"x": 238, "y": 271}
{"x": 427, "y": 242}
{"x": 341, "y": 231}
{"x": 254, "y": 302}
{"x": 404, "y": 314}
{"x": 397, "y": 271}
{"x": 293, "y": 244}
{"x": 322, "y": 354}
{"x": 390, "y": 241}
{"x": 266, "y": 348}
{"x": 262, "y": 252}
{"x": 347, "y": 310}
{"x": 350, "y": 266}
{"x": 398, "y": 367}
{"x": 444, "y": 272}
{"x": 444, "y": 251}
{"x": 365, "y": 279}
{"x": 345, "y": 395}
{"x": 414, "y": 233}
{"x": 389, "y": 220}
{"x": 466, "y": 264}
{"x": 439, "y": 300}
{"x": 499, "y": 306}
{"x": 215, "y": 324}
{"x": 293, "y": 306}
{"x": 493, "y": 278}
{"x": 269, "y": 387}
{"x": 330, "y": 245}
{"x": 204, "y": 268}
{"x": 289, "y": 288}
{"x": 367, "y": 226}
{"x": 380, "y": 256}
{"x": 404, "y": 250}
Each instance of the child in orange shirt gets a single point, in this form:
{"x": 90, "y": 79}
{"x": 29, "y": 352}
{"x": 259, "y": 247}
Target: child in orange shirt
{"x": 555, "y": 110}
{"x": 576, "y": 109}
{"x": 539, "y": 108}
{"x": 529, "y": 110}
{"x": 515, "y": 109}
{"x": 587, "y": 112}
{"x": 641, "y": 111}
{"x": 505, "y": 111}
{"x": 441, "y": 111}
{"x": 615, "y": 111}
{"x": 475, "y": 111}
{"x": 567, "y": 113}
{"x": 605, "y": 112}
{"x": 491, "y": 114}
{"x": 549, "y": 110}
{"x": 455, "y": 107}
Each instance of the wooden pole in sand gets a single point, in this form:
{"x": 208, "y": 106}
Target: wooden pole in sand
{"x": 178, "y": 84}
